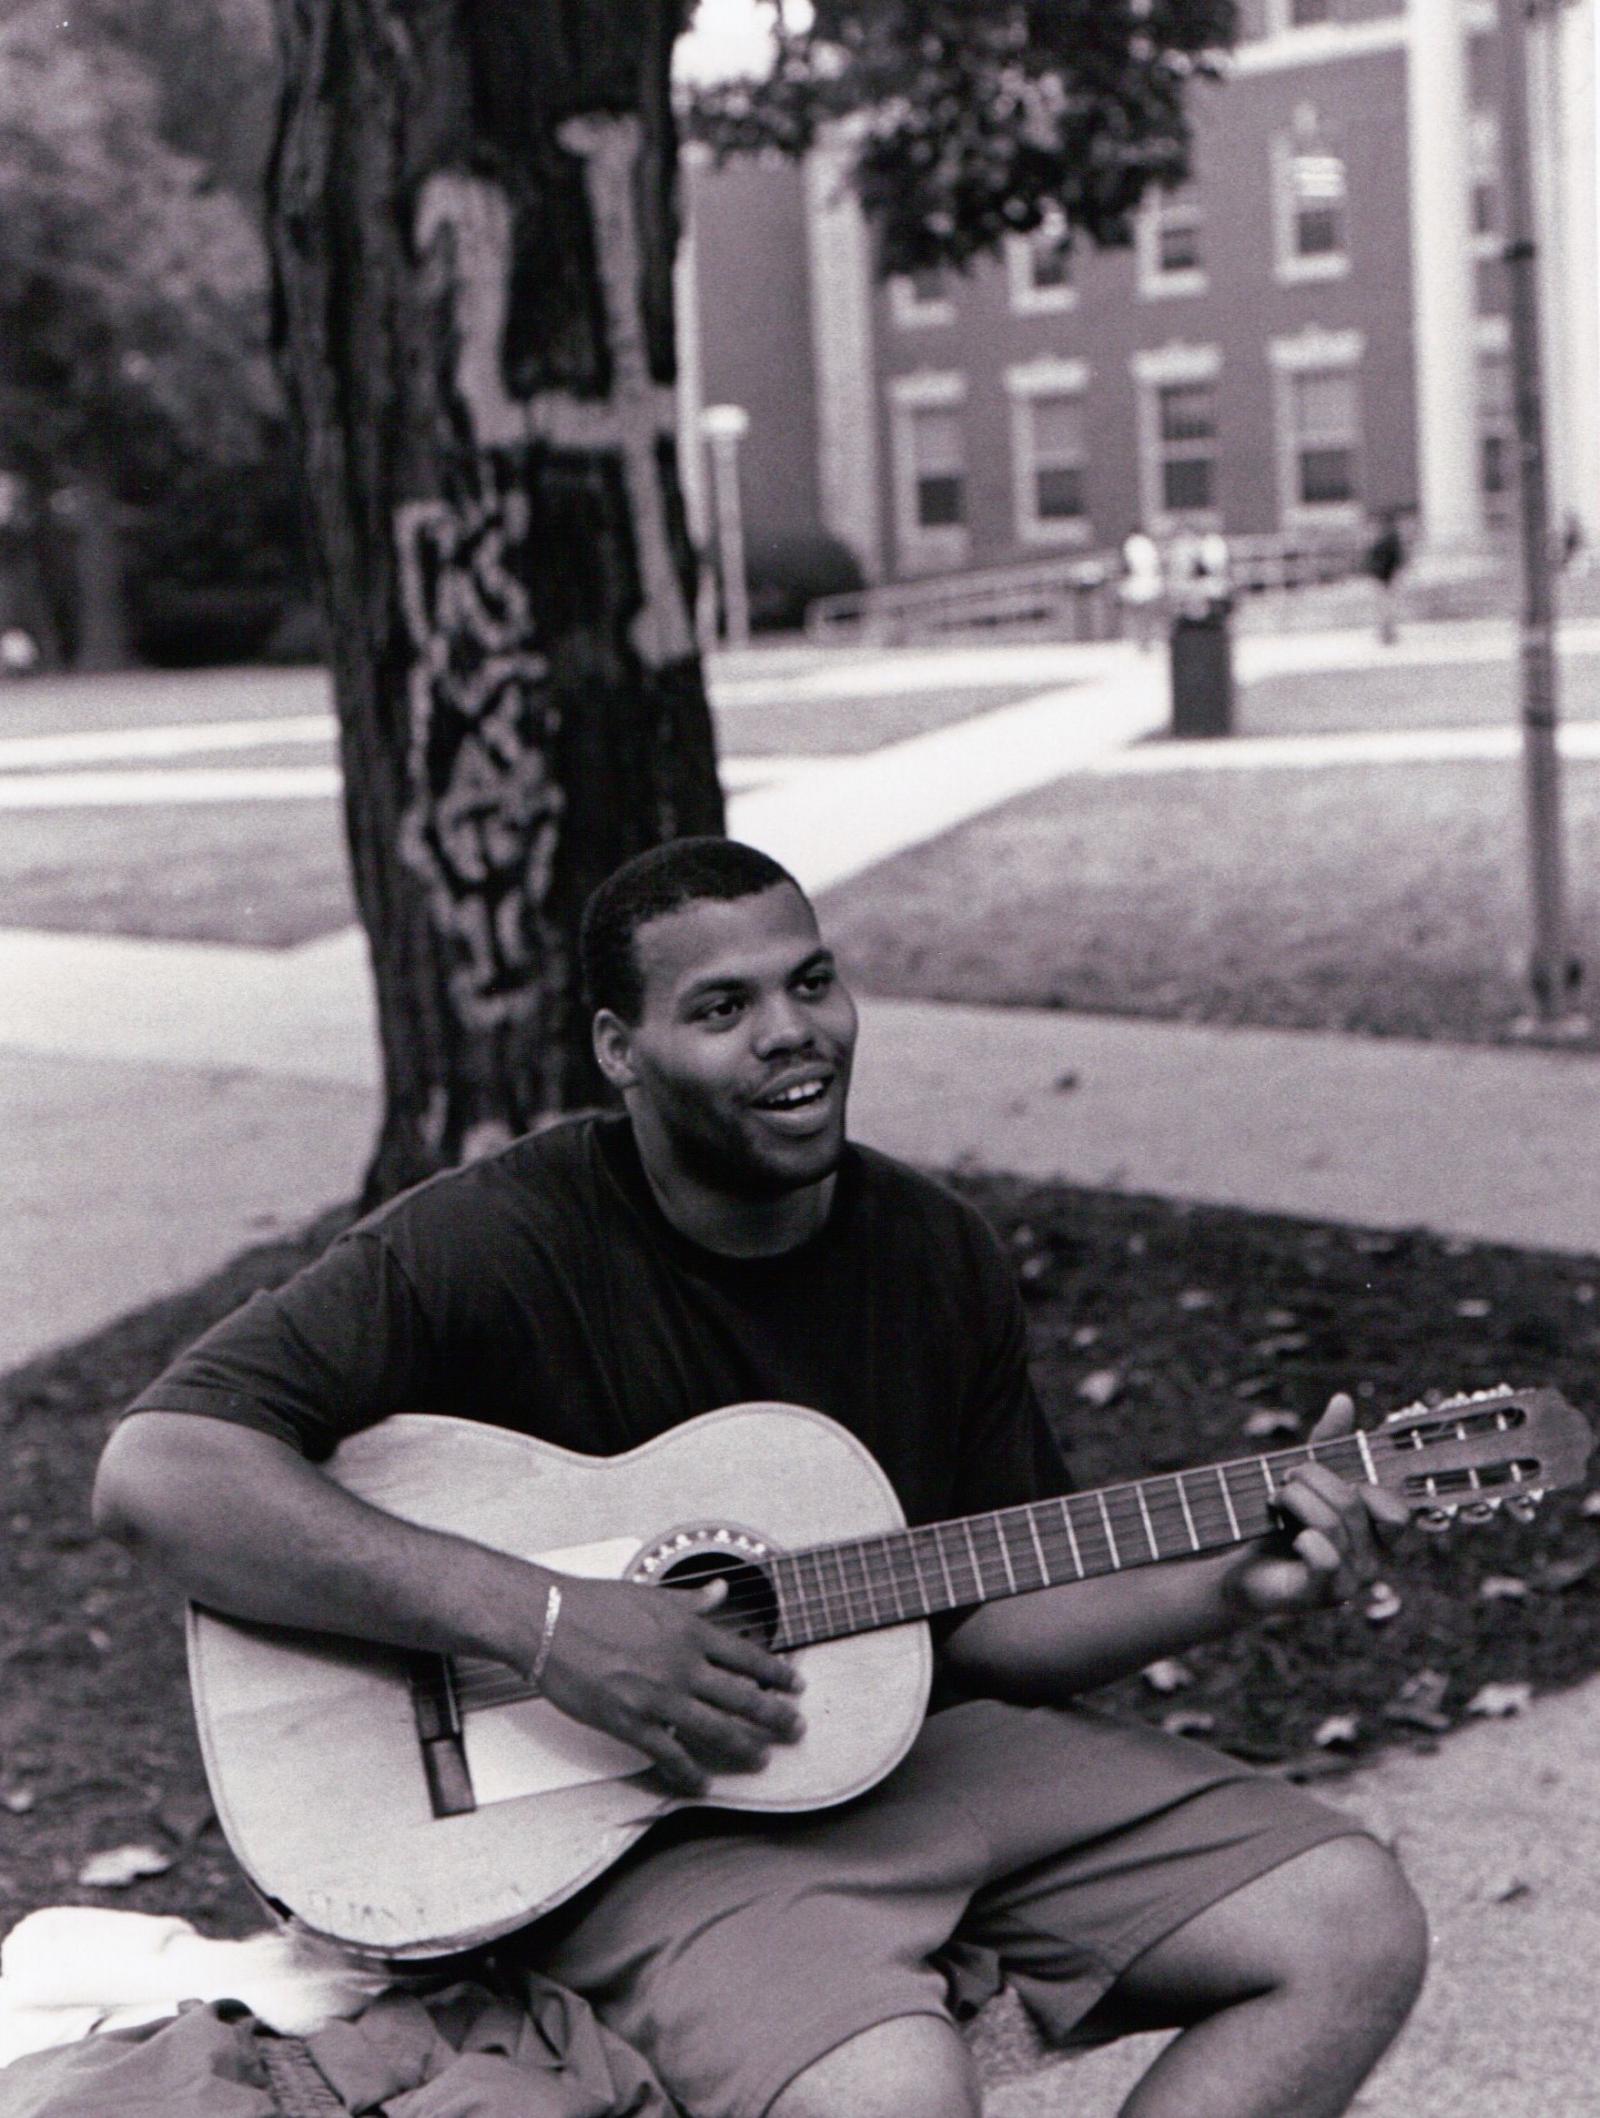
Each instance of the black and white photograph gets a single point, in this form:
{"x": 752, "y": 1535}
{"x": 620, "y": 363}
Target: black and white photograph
{"x": 799, "y": 1058}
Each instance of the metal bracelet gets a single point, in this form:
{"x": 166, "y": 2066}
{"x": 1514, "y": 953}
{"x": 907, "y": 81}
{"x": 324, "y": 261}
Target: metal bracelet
{"x": 552, "y": 1611}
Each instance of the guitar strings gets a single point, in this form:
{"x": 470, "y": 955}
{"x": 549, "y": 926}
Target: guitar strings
{"x": 1141, "y": 1512}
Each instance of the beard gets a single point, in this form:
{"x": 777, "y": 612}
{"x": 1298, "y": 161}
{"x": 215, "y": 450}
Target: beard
{"x": 715, "y": 1150}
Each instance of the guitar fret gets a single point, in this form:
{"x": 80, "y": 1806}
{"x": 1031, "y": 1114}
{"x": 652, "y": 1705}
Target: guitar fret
{"x": 1005, "y": 1553}
{"x": 1149, "y": 1526}
{"x": 1111, "y": 1538}
{"x": 1365, "y": 1449}
{"x": 1227, "y": 1502}
{"x": 1188, "y": 1515}
{"x": 866, "y": 1583}
{"x": 916, "y": 1567}
{"x": 884, "y": 1573}
{"x": 1072, "y": 1539}
{"x": 848, "y": 1599}
{"x": 944, "y": 1567}
{"x": 816, "y": 1598}
{"x": 887, "y": 1578}
{"x": 1038, "y": 1549}
{"x": 977, "y": 1566}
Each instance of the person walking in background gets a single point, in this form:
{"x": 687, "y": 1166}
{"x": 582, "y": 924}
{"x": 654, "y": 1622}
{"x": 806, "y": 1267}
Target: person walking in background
{"x": 1140, "y": 587}
{"x": 1385, "y": 560}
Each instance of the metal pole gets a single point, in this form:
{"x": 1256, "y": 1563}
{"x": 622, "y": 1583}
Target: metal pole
{"x": 1552, "y": 972}
{"x": 725, "y": 426}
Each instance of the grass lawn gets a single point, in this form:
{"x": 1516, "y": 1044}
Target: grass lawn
{"x": 1385, "y": 898}
{"x": 264, "y": 875}
{"x": 1157, "y": 1333}
{"x": 1434, "y": 695}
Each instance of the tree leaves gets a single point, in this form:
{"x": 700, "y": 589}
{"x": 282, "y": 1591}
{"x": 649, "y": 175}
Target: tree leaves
{"x": 969, "y": 122}
{"x": 132, "y": 292}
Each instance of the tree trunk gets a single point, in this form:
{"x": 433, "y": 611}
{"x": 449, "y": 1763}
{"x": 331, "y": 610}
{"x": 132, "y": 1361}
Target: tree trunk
{"x": 102, "y": 633}
{"x": 473, "y": 217}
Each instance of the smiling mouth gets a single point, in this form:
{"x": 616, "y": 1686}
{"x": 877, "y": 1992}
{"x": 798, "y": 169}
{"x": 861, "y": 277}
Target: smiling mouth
{"x": 802, "y": 1096}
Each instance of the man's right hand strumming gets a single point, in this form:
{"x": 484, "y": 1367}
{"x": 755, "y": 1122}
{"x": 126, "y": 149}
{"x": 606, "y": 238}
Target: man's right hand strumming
{"x": 653, "y": 1668}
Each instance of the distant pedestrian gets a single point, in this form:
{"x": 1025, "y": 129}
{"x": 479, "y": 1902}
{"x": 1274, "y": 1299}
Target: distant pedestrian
{"x": 1216, "y": 574}
{"x": 1385, "y": 561}
{"x": 19, "y": 652}
{"x": 1140, "y": 587}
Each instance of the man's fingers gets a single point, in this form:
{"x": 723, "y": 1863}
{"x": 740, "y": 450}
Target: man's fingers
{"x": 661, "y": 1742}
{"x": 750, "y": 1701}
{"x": 1326, "y": 1561}
{"x": 1387, "y": 1510}
{"x": 1338, "y": 1420}
{"x": 716, "y": 1741}
{"x": 737, "y": 1651}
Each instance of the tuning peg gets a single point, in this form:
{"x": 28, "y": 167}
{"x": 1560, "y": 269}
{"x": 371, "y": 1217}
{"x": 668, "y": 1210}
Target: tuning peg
{"x": 1476, "y": 1511}
{"x": 1522, "y": 1507}
{"x": 1433, "y": 1521}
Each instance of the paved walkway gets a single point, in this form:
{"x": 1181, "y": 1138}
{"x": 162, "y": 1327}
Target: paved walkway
{"x": 162, "y": 1104}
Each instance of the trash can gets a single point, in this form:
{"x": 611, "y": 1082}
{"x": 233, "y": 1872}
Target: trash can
{"x": 1202, "y": 673}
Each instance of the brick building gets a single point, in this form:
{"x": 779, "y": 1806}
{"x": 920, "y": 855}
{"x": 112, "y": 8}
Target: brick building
{"x": 1311, "y": 332}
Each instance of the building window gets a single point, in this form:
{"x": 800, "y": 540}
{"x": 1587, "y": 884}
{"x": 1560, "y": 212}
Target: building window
{"x": 1310, "y": 192}
{"x": 1039, "y": 268}
{"x": 1049, "y": 450}
{"x": 1323, "y": 426}
{"x": 922, "y": 297}
{"x": 1177, "y": 390}
{"x": 936, "y": 456}
{"x": 1483, "y": 176}
{"x": 1186, "y": 428}
{"x": 1170, "y": 244}
{"x": 930, "y": 469}
{"x": 1497, "y": 424}
{"x": 1319, "y": 427}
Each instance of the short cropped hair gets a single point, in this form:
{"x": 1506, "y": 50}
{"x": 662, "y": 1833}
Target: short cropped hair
{"x": 684, "y": 871}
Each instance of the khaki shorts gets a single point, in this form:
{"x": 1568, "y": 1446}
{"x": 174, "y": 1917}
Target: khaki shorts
{"x": 1038, "y": 1846}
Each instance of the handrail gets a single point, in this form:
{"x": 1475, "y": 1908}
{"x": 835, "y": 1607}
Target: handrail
{"x": 1069, "y": 597}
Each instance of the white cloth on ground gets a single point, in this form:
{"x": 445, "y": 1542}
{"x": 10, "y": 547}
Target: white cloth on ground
{"x": 69, "y": 1970}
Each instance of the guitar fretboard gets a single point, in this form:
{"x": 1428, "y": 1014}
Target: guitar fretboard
{"x": 860, "y": 1585}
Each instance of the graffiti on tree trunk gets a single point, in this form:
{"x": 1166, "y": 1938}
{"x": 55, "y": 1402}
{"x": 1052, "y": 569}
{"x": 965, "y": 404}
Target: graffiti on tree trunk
{"x": 483, "y": 813}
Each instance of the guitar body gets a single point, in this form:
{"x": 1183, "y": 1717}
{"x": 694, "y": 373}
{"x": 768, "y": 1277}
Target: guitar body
{"x": 311, "y": 1742}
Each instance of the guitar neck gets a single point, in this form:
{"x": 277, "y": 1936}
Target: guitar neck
{"x": 832, "y": 1590}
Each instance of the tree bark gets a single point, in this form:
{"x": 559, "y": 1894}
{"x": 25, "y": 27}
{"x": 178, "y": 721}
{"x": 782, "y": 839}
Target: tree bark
{"x": 473, "y": 217}
{"x": 102, "y": 633}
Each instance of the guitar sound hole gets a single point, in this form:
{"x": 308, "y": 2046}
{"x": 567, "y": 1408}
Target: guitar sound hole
{"x": 751, "y": 1604}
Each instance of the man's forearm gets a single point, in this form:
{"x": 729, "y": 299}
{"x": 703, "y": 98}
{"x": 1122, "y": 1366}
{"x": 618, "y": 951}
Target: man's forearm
{"x": 241, "y": 1522}
{"x": 1054, "y": 1644}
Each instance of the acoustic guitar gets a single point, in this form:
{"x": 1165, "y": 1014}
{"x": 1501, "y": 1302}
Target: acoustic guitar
{"x": 413, "y": 1805}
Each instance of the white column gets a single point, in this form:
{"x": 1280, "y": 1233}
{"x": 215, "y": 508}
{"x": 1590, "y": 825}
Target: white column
{"x": 691, "y": 389}
{"x": 839, "y": 258}
{"x": 1563, "y": 116}
{"x": 1443, "y": 293}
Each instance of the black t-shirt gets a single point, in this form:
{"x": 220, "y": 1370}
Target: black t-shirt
{"x": 542, "y": 1289}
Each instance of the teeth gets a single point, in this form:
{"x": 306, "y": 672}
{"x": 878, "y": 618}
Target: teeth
{"x": 806, "y": 1092}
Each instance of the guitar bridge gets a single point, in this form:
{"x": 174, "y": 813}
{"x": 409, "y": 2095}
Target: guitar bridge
{"x": 444, "y": 1750}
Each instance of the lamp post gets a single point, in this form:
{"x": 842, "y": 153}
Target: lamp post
{"x": 724, "y": 427}
{"x": 1553, "y": 972}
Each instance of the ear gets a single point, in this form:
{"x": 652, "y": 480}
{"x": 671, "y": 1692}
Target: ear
{"x": 613, "y": 1049}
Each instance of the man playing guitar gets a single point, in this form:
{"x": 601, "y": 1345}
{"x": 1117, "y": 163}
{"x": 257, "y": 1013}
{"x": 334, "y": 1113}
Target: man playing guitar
{"x": 607, "y": 1279}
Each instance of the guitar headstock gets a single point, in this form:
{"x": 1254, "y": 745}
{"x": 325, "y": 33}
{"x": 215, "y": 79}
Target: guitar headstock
{"x": 1472, "y": 1456}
